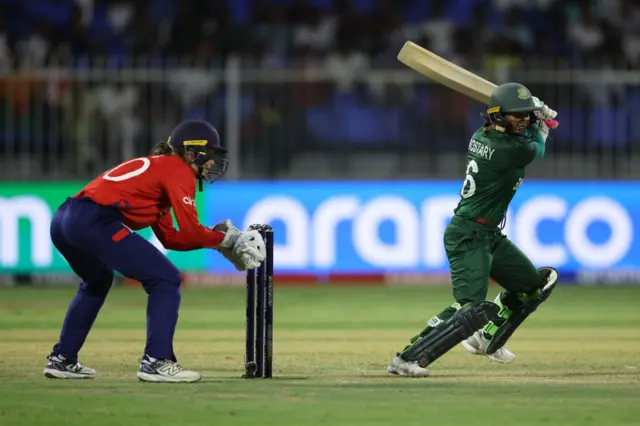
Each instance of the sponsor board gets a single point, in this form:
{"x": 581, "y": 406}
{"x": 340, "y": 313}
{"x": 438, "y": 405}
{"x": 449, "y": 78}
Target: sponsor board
{"x": 366, "y": 227}
{"x": 26, "y": 210}
{"x": 341, "y": 230}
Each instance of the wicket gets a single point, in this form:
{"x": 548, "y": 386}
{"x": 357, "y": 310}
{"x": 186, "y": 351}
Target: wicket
{"x": 259, "y": 313}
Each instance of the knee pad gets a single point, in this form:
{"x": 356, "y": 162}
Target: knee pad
{"x": 549, "y": 277}
{"x": 527, "y": 307}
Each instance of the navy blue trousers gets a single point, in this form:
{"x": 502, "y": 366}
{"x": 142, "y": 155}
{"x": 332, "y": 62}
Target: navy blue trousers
{"x": 94, "y": 241}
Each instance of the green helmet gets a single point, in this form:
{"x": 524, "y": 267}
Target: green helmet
{"x": 511, "y": 97}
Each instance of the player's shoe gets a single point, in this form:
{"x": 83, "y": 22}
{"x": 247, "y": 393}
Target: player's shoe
{"x": 400, "y": 367}
{"x": 164, "y": 370}
{"x": 58, "y": 367}
{"x": 477, "y": 345}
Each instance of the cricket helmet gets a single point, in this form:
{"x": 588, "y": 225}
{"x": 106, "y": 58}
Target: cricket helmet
{"x": 511, "y": 98}
{"x": 201, "y": 138}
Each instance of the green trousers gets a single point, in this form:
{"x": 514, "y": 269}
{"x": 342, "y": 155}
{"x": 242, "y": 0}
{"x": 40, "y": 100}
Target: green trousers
{"x": 476, "y": 253}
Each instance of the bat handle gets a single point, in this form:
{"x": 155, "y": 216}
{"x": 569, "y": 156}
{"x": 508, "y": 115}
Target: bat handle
{"x": 552, "y": 124}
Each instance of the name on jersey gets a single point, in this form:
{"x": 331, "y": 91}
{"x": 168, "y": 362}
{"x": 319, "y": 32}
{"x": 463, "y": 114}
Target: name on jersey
{"x": 481, "y": 149}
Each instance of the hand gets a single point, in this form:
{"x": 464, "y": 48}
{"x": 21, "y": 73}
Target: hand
{"x": 227, "y": 252}
{"x": 246, "y": 250}
{"x": 254, "y": 253}
{"x": 239, "y": 263}
{"x": 546, "y": 114}
{"x": 250, "y": 261}
{"x": 544, "y": 130}
{"x": 250, "y": 247}
{"x": 256, "y": 241}
{"x": 222, "y": 226}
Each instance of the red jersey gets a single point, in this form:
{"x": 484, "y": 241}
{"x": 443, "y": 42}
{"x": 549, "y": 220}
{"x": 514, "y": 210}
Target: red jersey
{"x": 145, "y": 189}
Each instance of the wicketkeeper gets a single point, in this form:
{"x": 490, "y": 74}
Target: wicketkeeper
{"x": 514, "y": 134}
{"x": 93, "y": 231}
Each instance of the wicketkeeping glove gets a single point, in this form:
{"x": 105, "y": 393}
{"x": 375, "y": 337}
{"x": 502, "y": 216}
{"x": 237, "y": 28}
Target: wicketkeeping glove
{"x": 245, "y": 250}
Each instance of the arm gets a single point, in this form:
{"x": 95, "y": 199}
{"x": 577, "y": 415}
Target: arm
{"x": 534, "y": 150}
{"x": 539, "y": 143}
{"x": 192, "y": 235}
{"x": 547, "y": 115}
{"x": 169, "y": 236}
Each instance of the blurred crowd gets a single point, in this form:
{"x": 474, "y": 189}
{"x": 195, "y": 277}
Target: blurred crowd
{"x": 101, "y": 118}
{"x": 334, "y": 33}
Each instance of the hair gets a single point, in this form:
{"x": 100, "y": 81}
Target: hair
{"x": 488, "y": 124}
{"x": 162, "y": 148}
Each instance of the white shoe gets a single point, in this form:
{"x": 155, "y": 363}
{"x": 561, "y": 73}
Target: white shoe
{"x": 164, "y": 370}
{"x": 400, "y": 367}
{"x": 477, "y": 345}
{"x": 58, "y": 367}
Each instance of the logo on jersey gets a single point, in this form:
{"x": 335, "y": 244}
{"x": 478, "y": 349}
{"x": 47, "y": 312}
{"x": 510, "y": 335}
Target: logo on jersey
{"x": 189, "y": 201}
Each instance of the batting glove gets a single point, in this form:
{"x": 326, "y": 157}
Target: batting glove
{"x": 546, "y": 114}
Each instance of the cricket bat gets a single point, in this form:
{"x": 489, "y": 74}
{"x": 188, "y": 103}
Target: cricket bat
{"x": 449, "y": 74}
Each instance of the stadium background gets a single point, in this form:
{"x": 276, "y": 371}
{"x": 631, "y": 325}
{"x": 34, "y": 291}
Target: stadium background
{"x": 355, "y": 160}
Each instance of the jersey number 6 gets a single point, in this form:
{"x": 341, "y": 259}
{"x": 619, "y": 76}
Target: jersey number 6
{"x": 469, "y": 186}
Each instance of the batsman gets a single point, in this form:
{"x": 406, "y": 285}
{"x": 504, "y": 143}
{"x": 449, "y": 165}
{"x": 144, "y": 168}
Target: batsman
{"x": 513, "y": 136}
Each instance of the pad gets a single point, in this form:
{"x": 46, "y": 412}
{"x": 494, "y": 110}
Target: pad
{"x": 506, "y": 330}
{"x": 441, "y": 339}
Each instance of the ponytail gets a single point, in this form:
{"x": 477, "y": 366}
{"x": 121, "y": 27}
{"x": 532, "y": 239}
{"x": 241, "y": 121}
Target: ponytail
{"x": 163, "y": 148}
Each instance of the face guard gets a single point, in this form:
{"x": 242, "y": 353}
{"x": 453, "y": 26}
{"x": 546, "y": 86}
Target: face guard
{"x": 513, "y": 99}
{"x": 200, "y": 156}
{"x": 497, "y": 118}
{"x": 211, "y": 173}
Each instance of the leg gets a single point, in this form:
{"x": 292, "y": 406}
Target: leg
{"x": 470, "y": 260}
{"x": 136, "y": 258}
{"x": 115, "y": 246}
{"x": 83, "y": 310}
{"x": 513, "y": 270}
{"x": 92, "y": 292}
{"x": 526, "y": 287}
{"x": 446, "y": 336}
{"x": 469, "y": 256}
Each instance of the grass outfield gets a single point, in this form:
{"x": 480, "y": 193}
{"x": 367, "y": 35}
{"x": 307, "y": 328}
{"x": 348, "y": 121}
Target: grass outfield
{"x": 578, "y": 362}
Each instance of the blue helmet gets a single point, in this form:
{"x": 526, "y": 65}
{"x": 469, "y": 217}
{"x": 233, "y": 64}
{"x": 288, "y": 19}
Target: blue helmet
{"x": 202, "y": 138}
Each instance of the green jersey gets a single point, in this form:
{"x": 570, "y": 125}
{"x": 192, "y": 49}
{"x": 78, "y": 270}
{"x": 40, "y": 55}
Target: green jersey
{"x": 495, "y": 169}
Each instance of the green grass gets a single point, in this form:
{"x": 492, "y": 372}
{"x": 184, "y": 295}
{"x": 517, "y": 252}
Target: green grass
{"x": 578, "y": 362}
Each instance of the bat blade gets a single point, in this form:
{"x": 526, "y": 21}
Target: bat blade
{"x": 450, "y": 75}
{"x": 446, "y": 73}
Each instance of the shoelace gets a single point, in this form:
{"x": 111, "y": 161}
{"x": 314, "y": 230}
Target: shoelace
{"x": 169, "y": 362}
{"x": 72, "y": 367}
{"x": 175, "y": 364}
{"x": 76, "y": 367}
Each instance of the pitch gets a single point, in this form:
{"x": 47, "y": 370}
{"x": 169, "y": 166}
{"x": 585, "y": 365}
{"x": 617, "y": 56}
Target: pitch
{"x": 578, "y": 362}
